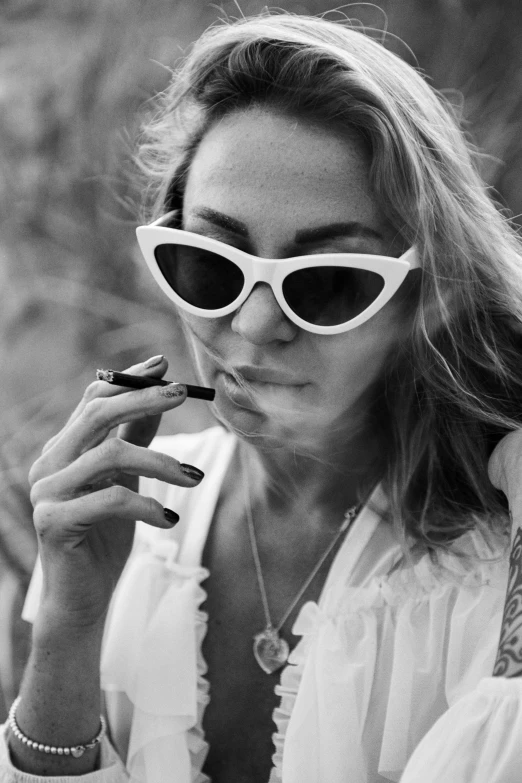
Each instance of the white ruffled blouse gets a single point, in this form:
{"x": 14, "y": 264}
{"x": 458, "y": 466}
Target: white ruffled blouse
{"x": 394, "y": 661}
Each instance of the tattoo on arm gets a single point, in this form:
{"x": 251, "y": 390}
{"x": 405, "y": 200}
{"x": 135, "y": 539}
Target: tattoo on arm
{"x": 509, "y": 655}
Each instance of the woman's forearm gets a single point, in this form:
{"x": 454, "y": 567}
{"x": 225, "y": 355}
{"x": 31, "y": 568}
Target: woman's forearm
{"x": 60, "y": 702}
{"x": 509, "y": 656}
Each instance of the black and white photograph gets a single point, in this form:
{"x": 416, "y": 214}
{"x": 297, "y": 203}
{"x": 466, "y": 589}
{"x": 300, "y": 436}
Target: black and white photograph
{"x": 260, "y": 391}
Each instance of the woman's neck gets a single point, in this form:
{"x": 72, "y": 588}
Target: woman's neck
{"x": 323, "y": 484}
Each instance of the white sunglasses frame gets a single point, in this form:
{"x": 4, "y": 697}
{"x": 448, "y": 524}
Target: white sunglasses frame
{"x": 273, "y": 271}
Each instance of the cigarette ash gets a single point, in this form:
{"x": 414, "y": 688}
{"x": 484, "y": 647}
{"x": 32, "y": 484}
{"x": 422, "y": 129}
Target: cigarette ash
{"x": 105, "y": 375}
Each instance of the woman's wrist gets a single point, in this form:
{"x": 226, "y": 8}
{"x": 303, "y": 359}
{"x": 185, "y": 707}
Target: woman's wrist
{"x": 54, "y": 750}
{"x": 63, "y": 627}
{"x": 60, "y": 704}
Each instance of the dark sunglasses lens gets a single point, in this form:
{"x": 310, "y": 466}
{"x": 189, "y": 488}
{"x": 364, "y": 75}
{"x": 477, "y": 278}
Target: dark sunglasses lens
{"x": 203, "y": 279}
{"x": 330, "y": 295}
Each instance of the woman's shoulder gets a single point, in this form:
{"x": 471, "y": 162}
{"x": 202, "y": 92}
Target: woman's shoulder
{"x": 473, "y": 567}
{"x": 402, "y": 645}
{"x": 434, "y": 616}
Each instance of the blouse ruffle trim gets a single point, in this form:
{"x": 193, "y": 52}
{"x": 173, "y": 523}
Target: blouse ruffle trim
{"x": 388, "y": 642}
{"x": 157, "y": 602}
{"x": 389, "y": 637}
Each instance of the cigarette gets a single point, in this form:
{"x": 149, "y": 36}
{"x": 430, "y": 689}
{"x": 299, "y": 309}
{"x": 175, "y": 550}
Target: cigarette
{"x": 139, "y": 382}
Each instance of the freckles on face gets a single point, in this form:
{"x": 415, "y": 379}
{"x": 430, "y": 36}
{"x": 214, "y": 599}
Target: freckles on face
{"x": 334, "y": 374}
{"x": 259, "y": 181}
{"x": 353, "y": 361}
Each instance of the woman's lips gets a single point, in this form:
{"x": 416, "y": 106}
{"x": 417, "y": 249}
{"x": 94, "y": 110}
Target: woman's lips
{"x": 260, "y": 381}
{"x": 259, "y": 375}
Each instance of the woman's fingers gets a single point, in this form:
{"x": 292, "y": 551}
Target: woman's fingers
{"x": 99, "y": 417}
{"x": 505, "y": 464}
{"x": 155, "y": 367}
{"x": 141, "y": 431}
{"x": 65, "y": 520}
{"x": 107, "y": 462}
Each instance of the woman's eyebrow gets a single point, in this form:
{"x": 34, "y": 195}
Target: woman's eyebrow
{"x": 221, "y": 220}
{"x": 305, "y": 236}
{"x": 348, "y": 229}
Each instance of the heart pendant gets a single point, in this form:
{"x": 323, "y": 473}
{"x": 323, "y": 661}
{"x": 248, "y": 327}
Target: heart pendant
{"x": 270, "y": 650}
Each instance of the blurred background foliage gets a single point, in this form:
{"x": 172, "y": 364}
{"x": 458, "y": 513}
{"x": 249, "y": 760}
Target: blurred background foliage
{"x": 74, "y": 76}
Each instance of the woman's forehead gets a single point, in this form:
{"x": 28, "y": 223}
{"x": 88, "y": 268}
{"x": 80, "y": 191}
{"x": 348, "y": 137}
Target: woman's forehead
{"x": 272, "y": 147}
{"x": 261, "y": 162}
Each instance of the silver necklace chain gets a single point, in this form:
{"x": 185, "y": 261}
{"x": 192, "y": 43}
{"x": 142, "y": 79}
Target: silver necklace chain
{"x": 349, "y": 516}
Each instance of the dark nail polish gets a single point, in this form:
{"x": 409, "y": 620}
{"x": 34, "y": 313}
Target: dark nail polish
{"x": 191, "y": 472}
{"x": 173, "y": 390}
{"x": 171, "y": 516}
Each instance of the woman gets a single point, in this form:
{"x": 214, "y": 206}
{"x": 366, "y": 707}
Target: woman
{"x": 346, "y": 522}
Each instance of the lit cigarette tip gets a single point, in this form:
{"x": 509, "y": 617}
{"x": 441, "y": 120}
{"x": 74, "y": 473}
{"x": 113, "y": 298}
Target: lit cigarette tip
{"x": 105, "y": 375}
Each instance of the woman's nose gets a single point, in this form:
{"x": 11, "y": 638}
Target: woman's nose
{"x": 260, "y": 320}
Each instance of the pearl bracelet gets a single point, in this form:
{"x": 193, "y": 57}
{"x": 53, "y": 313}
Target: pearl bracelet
{"x": 75, "y": 750}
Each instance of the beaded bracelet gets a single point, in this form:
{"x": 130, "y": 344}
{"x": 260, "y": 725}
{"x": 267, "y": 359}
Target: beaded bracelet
{"x": 75, "y": 750}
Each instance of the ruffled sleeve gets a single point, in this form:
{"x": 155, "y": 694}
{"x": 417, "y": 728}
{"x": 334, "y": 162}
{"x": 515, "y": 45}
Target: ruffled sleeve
{"x": 379, "y": 664}
{"x": 152, "y": 668}
{"x": 478, "y": 740}
{"x": 162, "y": 676}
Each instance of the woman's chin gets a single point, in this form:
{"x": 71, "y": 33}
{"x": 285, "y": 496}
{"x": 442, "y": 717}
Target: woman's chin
{"x": 277, "y": 417}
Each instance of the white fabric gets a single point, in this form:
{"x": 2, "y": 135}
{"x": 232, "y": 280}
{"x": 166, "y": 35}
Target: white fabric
{"x": 387, "y": 650}
{"x": 478, "y": 740}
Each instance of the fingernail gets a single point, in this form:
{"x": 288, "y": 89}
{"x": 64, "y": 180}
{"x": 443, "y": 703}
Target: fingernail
{"x": 173, "y": 390}
{"x": 191, "y": 472}
{"x": 171, "y": 516}
{"x": 153, "y": 361}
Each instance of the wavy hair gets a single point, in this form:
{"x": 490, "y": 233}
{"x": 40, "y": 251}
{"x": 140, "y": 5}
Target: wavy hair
{"x": 455, "y": 386}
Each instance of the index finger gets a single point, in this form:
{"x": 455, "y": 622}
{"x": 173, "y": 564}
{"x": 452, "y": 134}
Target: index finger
{"x": 155, "y": 367}
{"x": 102, "y": 414}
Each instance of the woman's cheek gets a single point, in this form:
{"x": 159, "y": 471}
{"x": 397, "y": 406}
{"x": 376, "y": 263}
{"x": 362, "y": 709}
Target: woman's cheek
{"x": 207, "y": 342}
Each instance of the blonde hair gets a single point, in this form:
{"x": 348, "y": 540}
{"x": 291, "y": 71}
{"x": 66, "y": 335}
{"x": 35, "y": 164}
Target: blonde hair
{"x": 455, "y": 386}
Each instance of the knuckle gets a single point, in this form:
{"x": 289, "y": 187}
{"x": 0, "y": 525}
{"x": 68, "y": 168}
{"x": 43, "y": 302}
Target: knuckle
{"x": 93, "y": 391}
{"x": 43, "y": 518}
{"x": 35, "y": 495}
{"x": 115, "y": 497}
{"x": 35, "y": 472}
{"x": 94, "y": 411}
{"x": 112, "y": 450}
{"x": 50, "y": 443}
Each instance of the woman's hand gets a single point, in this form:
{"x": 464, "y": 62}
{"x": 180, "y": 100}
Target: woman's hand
{"x": 84, "y": 492}
{"x": 505, "y": 467}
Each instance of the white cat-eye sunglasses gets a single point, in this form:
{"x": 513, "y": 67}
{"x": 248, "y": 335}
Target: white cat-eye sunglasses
{"x": 327, "y": 293}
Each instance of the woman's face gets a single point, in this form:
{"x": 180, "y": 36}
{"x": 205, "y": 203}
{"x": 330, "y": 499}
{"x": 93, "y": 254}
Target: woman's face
{"x": 258, "y": 181}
